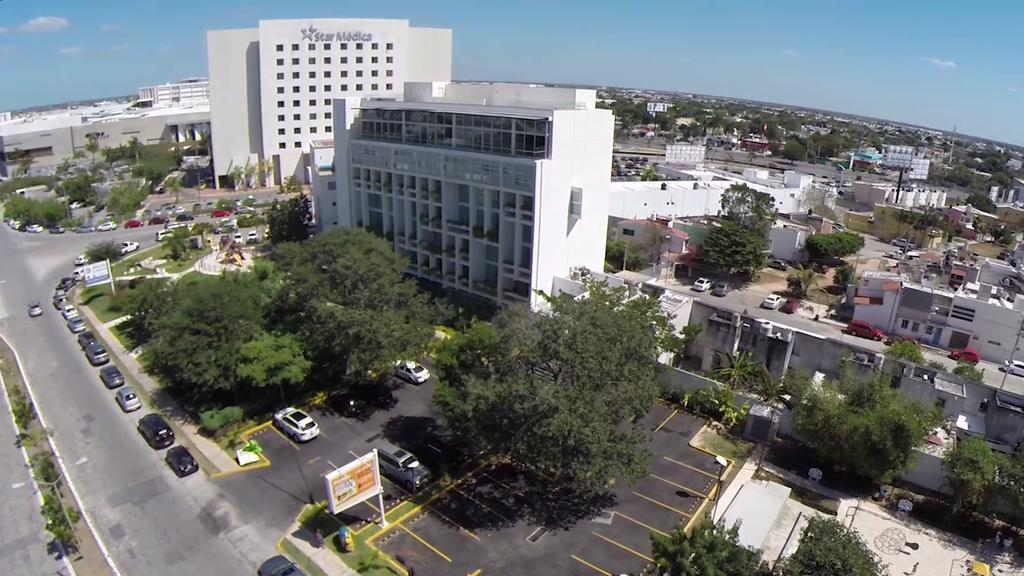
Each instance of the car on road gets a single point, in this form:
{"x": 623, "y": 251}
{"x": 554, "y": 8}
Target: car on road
{"x": 34, "y": 228}
{"x": 252, "y": 237}
{"x": 220, "y": 213}
{"x": 96, "y": 354}
{"x": 296, "y": 424}
{"x": 14, "y": 224}
{"x": 790, "y": 306}
{"x": 772, "y": 302}
{"x": 128, "y": 247}
{"x": 182, "y": 463}
{"x": 1015, "y": 367}
{"x": 58, "y": 229}
{"x": 160, "y": 235}
{"x": 279, "y": 566}
{"x": 720, "y": 289}
{"x": 402, "y": 467}
{"x": 66, "y": 283}
{"x": 111, "y": 376}
{"x": 901, "y": 243}
{"x": 107, "y": 226}
{"x": 59, "y": 298}
{"x": 127, "y": 399}
{"x": 76, "y": 324}
{"x": 85, "y": 229}
{"x": 702, "y": 285}
{"x": 134, "y": 223}
{"x": 412, "y": 372}
{"x": 156, "y": 431}
{"x": 35, "y": 310}
{"x": 184, "y": 217}
{"x": 81, "y": 260}
{"x": 862, "y": 329}
{"x": 157, "y": 220}
{"x": 85, "y": 339}
{"x": 69, "y": 311}
{"x": 968, "y": 355}
{"x": 778, "y": 264}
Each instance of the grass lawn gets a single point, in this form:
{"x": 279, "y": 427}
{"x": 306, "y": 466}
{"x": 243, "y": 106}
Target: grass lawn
{"x": 364, "y": 559}
{"x": 193, "y": 256}
{"x": 120, "y": 268}
{"x": 299, "y": 558}
{"x": 98, "y": 299}
{"x": 733, "y": 449}
{"x": 986, "y": 249}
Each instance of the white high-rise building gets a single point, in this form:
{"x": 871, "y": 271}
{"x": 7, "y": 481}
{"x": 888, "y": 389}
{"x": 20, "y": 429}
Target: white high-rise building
{"x": 272, "y": 87}
{"x": 490, "y": 189}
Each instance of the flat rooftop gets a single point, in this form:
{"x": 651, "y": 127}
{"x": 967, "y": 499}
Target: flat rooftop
{"x": 459, "y": 108}
{"x": 99, "y": 113}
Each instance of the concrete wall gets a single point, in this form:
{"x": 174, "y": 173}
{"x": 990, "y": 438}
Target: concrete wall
{"x": 235, "y": 114}
{"x": 926, "y": 471}
{"x": 787, "y": 243}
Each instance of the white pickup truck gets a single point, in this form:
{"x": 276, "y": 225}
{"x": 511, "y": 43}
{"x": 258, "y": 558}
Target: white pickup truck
{"x": 129, "y": 247}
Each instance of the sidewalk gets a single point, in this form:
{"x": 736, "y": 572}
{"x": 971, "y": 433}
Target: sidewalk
{"x": 218, "y": 460}
{"x": 327, "y": 560}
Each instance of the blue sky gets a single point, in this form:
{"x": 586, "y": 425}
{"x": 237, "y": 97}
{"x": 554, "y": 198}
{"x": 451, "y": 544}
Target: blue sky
{"x": 938, "y": 63}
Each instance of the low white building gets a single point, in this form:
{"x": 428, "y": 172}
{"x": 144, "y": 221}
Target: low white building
{"x": 787, "y": 240}
{"x": 183, "y": 92}
{"x": 912, "y": 196}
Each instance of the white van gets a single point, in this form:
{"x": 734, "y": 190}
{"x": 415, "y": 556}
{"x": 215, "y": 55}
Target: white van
{"x": 161, "y": 234}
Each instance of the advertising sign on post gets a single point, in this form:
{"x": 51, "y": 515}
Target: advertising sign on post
{"x": 353, "y": 483}
{"x": 96, "y": 273}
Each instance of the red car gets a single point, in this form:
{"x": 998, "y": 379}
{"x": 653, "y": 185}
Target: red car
{"x": 220, "y": 213}
{"x": 790, "y": 305}
{"x": 968, "y": 355}
{"x": 134, "y": 224}
{"x": 155, "y": 220}
{"x": 862, "y": 329}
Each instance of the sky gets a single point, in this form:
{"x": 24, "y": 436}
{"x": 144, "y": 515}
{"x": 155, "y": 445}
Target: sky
{"x": 937, "y": 63}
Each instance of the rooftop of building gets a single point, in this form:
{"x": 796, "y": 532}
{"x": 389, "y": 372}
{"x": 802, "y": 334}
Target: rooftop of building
{"x": 456, "y": 108}
{"x": 965, "y": 208}
{"x": 97, "y": 113}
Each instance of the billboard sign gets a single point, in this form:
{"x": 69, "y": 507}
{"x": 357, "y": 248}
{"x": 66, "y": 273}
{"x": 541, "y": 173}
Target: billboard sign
{"x": 919, "y": 168}
{"x": 353, "y": 483}
{"x": 656, "y": 107}
{"x": 898, "y": 156}
{"x": 96, "y": 273}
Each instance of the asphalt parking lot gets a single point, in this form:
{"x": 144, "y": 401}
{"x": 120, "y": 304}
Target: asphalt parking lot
{"x": 498, "y": 520}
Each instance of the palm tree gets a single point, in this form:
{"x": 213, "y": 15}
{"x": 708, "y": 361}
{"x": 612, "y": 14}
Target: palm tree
{"x": 236, "y": 174}
{"x": 92, "y": 145}
{"x": 802, "y": 280}
{"x": 174, "y": 185}
{"x": 742, "y": 372}
{"x": 262, "y": 169}
{"x": 25, "y": 161}
{"x": 133, "y": 147}
{"x": 250, "y": 172}
{"x": 772, "y": 390}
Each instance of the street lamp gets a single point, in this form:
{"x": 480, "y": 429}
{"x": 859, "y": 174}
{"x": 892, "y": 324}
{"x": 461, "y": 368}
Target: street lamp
{"x": 722, "y": 465}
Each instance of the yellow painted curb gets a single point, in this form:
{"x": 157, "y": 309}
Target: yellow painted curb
{"x": 715, "y": 489}
{"x": 263, "y": 463}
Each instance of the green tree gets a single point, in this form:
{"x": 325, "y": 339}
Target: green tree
{"x": 742, "y": 372}
{"x": 835, "y": 245}
{"x": 468, "y": 354}
{"x": 78, "y": 188}
{"x": 288, "y": 221}
{"x": 844, "y": 275}
{"x": 802, "y": 280}
{"x": 30, "y": 211}
{"x": 290, "y": 186}
{"x": 178, "y": 244}
{"x": 905, "y": 350}
{"x": 249, "y": 173}
{"x": 143, "y": 303}
{"x": 125, "y": 198}
{"x": 546, "y": 399}
{"x": 174, "y": 186}
{"x": 734, "y": 248}
{"x": 60, "y": 520}
{"x": 236, "y": 173}
{"x": 970, "y": 468}
{"x": 100, "y": 251}
{"x": 750, "y": 208}
{"x": 25, "y": 162}
{"x": 263, "y": 168}
{"x": 708, "y": 550}
{"x": 273, "y": 360}
{"x": 794, "y": 150}
{"x": 92, "y": 145}
{"x": 829, "y": 547}
{"x": 649, "y": 173}
{"x": 968, "y": 372}
{"x": 981, "y": 201}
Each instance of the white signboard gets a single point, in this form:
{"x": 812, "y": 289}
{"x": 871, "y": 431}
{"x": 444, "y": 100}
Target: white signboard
{"x": 898, "y": 156}
{"x": 655, "y": 107}
{"x": 96, "y": 273}
{"x": 353, "y": 483}
{"x": 919, "y": 169}
{"x": 690, "y": 154}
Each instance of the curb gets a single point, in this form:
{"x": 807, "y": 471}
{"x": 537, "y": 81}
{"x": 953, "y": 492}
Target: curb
{"x": 263, "y": 463}
{"x": 63, "y": 467}
{"x": 718, "y": 485}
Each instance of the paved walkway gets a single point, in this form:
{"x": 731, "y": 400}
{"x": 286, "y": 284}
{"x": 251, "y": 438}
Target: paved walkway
{"x": 324, "y": 557}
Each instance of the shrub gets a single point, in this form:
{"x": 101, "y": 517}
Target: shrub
{"x": 217, "y": 419}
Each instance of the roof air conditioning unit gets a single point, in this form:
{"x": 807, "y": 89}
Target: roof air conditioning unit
{"x": 785, "y": 334}
{"x": 764, "y": 327}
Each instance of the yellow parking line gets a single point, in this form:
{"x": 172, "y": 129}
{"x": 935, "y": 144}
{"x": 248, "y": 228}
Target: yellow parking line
{"x": 424, "y": 542}
{"x": 662, "y": 504}
{"x": 639, "y": 523}
{"x": 401, "y": 569}
{"x": 503, "y": 517}
{"x": 466, "y": 531}
{"x": 589, "y": 565}
{"x": 665, "y": 421}
{"x": 475, "y": 572}
{"x": 680, "y": 486}
{"x": 685, "y": 465}
{"x": 623, "y": 546}
{"x": 286, "y": 439}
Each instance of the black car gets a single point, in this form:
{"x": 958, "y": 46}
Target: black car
{"x": 279, "y": 566}
{"x": 85, "y": 339}
{"x": 96, "y": 354}
{"x": 156, "y": 431}
{"x": 184, "y": 217}
{"x": 66, "y": 283}
{"x": 111, "y": 376}
{"x": 183, "y": 464}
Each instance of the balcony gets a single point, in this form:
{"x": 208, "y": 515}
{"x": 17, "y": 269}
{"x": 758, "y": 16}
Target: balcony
{"x": 485, "y": 288}
{"x": 457, "y": 226}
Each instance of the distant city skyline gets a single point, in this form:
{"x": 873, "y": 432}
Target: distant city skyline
{"x": 918, "y": 63}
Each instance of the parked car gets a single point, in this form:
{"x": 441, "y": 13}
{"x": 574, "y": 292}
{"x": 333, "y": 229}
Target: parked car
{"x": 157, "y": 221}
{"x": 252, "y": 237}
{"x": 702, "y": 285}
{"x": 1015, "y": 367}
{"x": 296, "y": 424}
{"x": 75, "y": 205}
{"x": 237, "y": 238}
{"x": 790, "y": 306}
{"x": 181, "y": 461}
{"x": 128, "y": 247}
{"x": 107, "y": 226}
{"x": 279, "y": 566}
{"x": 160, "y": 235}
{"x": 134, "y": 223}
{"x": 85, "y": 229}
{"x": 968, "y": 355}
{"x": 96, "y": 354}
{"x": 220, "y": 213}
{"x": 35, "y": 310}
{"x": 772, "y": 302}
{"x": 76, "y": 324}
{"x": 59, "y": 298}
{"x": 412, "y": 372}
{"x": 184, "y": 217}
{"x": 66, "y": 283}
{"x": 720, "y": 289}
{"x": 85, "y": 339}
{"x": 778, "y": 264}
{"x": 58, "y": 229}
{"x": 402, "y": 467}
{"x": 111, "y": 376}
{"x": 34, "y": 228}
{"x": 81, "y": 260}
{"x": 862, "y": 329}
{"x": 127, "y": 399}
{"x": 156, "y": 431}
{"x": 900, "y": 243}
{"x": 69, "y": 311}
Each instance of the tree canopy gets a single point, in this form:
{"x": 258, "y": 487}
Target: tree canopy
{"x": 538, "y": 388}
{"x": 708, "y": 550}
{"x": 31, "y": 211}
{"x": 288, "y": 221}
{"x": 748, "y": 207}
{"x": 125, "y": 198}
{"x": 970, "y": 468}
{"x": 835, "y": 245}
{"x": 735, "y": 248}
{"x": 829, "y": 547}
{"x": 905, "y": 350}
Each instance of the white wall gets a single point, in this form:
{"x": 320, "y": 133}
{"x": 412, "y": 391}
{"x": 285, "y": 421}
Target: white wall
{"x": 638, "y": 200}
{"x": 787, "y": 243}
{"x": 429, "y": 55}
{"x": 233, "y": 61}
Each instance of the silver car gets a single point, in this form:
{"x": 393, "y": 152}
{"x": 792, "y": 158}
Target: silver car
{"x": 76, "y": 324}
{"x": 127, "y": 399}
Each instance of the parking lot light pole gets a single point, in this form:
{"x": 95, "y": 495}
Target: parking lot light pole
{"x": 722, "y": 465}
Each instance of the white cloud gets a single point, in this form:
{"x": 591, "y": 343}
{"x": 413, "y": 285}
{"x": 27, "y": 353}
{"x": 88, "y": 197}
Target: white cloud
{"x": 939, "y": 62}
{"x": 167, "y": 49}
{"x": 44, "y": 24}
{"x": 110, "y": 27}
{"x": 71, "y": 51}
{"x": 788, "y": 52}
{"x": 1014, "y": 90}
{"x": 118, "y": 47}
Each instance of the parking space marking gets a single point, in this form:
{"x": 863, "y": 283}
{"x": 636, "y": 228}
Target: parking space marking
{"x": 622, "y": 546}
{"x": 639, "y": 523}
{"x": 286, "y": 439}
{"x": 591, "y": 566}
{"x": 665, "y": 421}
{"x": 506, "y": 486}
{"x": 694, "y": 468}
{"x": 489, "y": 508}
{"x": 662, "y": 504}
{"x": 424, "y": 542}
{"x": 677, "y": 485}
{"x": 313, "y": 461}
{"x": 475, "y": 572}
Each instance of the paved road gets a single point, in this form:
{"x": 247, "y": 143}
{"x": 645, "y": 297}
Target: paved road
{"x": 152, "y": 522}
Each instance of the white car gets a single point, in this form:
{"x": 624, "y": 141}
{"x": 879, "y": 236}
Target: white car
{"x": 702, "y": 285}
{"x": 238, "y": 238}
{"x": 68, "y": 311}
{"x": 14, "y": 224}
{"x": 412, "y": 372}
{"x": 252, "y": 237}
{"x": 1015, "y": 367}
{"x": 81, "y": 260}
{"x": 129, "y": 247}
{"x": 296, "y": 424}
{"x": 34, "y": 228}
{"x": 107, "y": 226}
{"x": 75, "y": 205}
{"x": 772, "y": 302}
